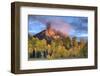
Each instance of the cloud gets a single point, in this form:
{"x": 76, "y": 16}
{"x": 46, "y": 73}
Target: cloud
{"x": 61, "y": 26}
{"x": 35, "y": 26}
{"x": 69, "y": 25}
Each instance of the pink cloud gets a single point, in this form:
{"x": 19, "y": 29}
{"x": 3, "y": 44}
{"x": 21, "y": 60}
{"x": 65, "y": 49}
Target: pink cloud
{"x": 61, "y": 26}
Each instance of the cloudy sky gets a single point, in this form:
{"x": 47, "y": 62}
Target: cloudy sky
{"x": 70, "y": 25}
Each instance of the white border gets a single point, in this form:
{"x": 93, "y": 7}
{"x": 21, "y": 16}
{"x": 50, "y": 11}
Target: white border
{"x": 25, "y": 64}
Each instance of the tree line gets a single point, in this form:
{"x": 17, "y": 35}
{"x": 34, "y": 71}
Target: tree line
{"x": 57, "y": 49}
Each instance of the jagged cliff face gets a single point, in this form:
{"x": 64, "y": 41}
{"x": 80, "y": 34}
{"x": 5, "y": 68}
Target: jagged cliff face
{"x": 52, "y": 33}
{"x": 55, "y": 34}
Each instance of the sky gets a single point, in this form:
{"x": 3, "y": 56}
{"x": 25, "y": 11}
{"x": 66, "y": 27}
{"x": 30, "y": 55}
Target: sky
{"x": 69, "y": 25}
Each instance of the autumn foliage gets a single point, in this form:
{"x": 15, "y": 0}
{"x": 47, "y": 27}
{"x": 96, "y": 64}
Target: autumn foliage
{"x": 57, "y": 49}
